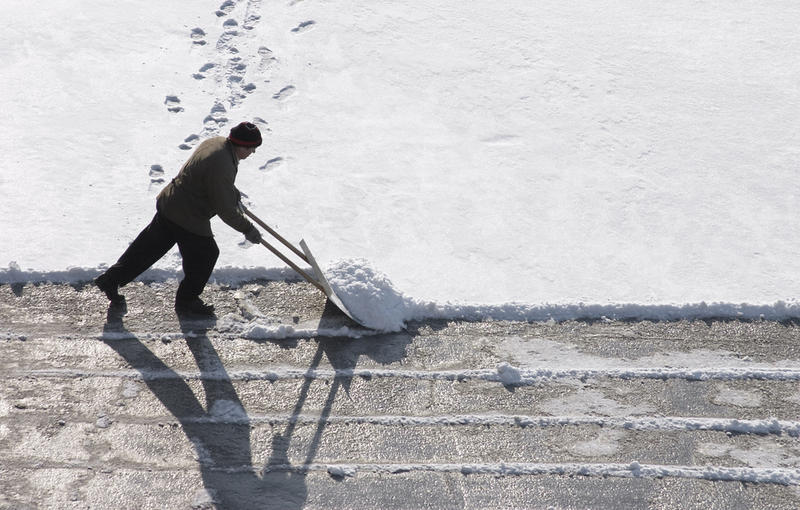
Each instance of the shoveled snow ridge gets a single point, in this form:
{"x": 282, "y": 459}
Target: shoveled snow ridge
{"x": 14, "y": 274}
{"x": 633, "y": 470}
{"x": 528, "y": 376}
{"x": 778, "y": 476}
{"x": 373, "y": 299}
{"x": 645, "y": 423}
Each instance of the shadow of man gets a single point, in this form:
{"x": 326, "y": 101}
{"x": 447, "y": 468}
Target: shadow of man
{"x": 343, "y": 354}
{"x": 220, "y": 430}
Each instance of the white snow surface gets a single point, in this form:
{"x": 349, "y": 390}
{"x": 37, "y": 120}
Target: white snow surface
{"x": 515, "y": 160}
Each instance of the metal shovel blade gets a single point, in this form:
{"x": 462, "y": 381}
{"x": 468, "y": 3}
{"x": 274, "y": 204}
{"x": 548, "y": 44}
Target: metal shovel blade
{"x": 326, "y": 287}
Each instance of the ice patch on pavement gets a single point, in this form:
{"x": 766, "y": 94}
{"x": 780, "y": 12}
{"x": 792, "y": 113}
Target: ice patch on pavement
{"x": 739, "y": 398}
{"x": 590, "y": 402}
{"x": 762, "y": 454}
{"x": 605, "y": 444}
{"x": 550, "y": 355}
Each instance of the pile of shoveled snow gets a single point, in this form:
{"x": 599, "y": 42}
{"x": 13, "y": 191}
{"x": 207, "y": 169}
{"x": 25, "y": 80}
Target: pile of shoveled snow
{"x": 369, "y": 295}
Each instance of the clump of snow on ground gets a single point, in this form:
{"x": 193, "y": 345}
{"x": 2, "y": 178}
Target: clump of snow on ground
{"x": 341, "y": 471}
{"x": 369, "y": 295}
{"x": 508, "y": 373}
{"x": 259, "y": 331}
{"x": 263, "y": 328}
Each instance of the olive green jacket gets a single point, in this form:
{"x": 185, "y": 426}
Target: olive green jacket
{"x": 203, "y": 189}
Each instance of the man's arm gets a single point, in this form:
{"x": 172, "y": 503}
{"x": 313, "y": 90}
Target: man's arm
{"x": 225, "y": 201}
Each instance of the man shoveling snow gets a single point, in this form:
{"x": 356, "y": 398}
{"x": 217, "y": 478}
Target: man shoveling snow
{"x": 203, "y": 188}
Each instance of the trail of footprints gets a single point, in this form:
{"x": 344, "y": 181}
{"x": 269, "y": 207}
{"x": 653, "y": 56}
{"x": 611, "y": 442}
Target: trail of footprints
{"x": 230, "y": 74}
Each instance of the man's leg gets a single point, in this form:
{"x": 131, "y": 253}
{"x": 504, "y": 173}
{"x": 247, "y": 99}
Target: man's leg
{"x": 199, "y": 255}
{"x": 150, "y": 245}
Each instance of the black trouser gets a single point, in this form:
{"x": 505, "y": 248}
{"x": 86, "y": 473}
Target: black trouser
{"x": 199, "y": 255}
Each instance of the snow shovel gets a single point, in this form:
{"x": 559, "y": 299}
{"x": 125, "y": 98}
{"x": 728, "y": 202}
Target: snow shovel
{"x": 318, "y": 280}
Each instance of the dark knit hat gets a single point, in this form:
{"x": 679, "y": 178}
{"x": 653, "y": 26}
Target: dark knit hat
{"x": 245, "y": 134}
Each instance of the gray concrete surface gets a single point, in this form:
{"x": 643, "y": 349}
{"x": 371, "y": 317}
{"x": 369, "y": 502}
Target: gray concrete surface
{"x": 109, "y": 408}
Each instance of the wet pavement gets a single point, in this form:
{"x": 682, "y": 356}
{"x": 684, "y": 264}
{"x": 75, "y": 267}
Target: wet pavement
{"x": 102, "y": 407}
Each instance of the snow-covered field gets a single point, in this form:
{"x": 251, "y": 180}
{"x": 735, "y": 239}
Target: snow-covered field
{"x": 536, "y": 161}
{"x": 514, "y": 159}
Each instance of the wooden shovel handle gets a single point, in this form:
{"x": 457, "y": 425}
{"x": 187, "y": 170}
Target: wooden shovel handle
{"x": 276, "y": 235}
{"x": 293, "y": 265}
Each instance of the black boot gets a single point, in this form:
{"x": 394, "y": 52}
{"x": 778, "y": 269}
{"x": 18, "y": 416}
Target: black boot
{"x": 111, "y": 290}
{"x": 193, "y": 307}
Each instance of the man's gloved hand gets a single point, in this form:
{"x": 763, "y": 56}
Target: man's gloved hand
{"x": 253, "y": 235}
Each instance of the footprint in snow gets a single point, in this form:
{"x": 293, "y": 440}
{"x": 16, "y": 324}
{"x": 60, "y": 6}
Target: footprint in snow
{"x": 237, "y": 96}
{"x": 198, "y": 36}
{"x": 261, "y": 123}
{"x": 199, "y": 75}
{"x": 501, "y": 139}
{"x": 284, "y": 93}
{"x": 250, "y": 22}
{"x": 237, "y": 70}
{"x": 267, "y": 59}
{"x": 237, "y": 65}
{"x": 215, "y": 120}
{"x": 156, "y": 174}
{"x": 302, "y": 27}
{"x": 212, "y": 125}
{"x": 173, "y": 103}
{"x": 189, "y": 142}
{"x": 225, "y": 8}
{"x": 272, "y": 164}
{"x": 223, "y": 43}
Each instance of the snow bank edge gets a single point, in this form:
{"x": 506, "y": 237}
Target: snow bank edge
{"x": 416, "y": 310}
